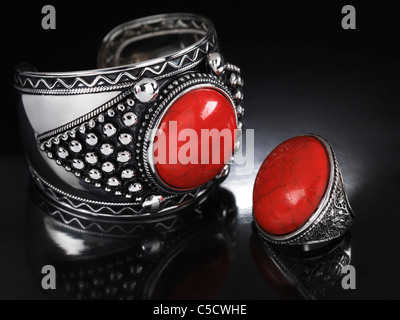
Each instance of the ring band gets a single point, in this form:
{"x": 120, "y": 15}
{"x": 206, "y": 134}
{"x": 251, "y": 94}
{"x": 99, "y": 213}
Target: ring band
{"x": 89, "y": 135}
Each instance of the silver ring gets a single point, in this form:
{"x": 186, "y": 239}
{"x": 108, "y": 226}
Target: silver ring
{"x": 332, "y": 217}
{"x": 87, "y": 134}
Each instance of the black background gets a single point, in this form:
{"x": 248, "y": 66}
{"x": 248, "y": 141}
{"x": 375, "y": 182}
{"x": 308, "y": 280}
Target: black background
{"x": 267, "y": 37}
{"x": 303, "y": 73}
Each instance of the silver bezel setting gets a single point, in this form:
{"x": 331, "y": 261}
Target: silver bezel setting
{"x": 171, "y": 94}
{"x": 333, "y": 216}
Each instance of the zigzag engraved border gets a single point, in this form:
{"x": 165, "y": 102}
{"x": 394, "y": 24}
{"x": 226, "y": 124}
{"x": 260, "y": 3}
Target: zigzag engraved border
{"x": 109, "y": 228}
{"x": 76, "y": 220}
{"x": 59, "y": 216}
{"x": 35, "y": 84}
{"x": 86, "y": 205}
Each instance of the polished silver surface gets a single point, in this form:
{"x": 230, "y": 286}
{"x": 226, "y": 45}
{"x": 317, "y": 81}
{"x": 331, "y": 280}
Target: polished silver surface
{"x": 152, "y": 203}
{"x": 135, "y": 187}
{"x": 129, "y": 119}
{"x": 107, "y": 149}
{"x": 127, "y": 174}
{"x": 125, "y": 138}
{"x": 216, "y": 63}
{"x": 146, "y": 90}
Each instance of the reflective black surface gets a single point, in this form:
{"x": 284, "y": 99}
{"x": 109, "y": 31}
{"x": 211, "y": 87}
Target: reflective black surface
{"x": 303, "y": 74}
{"x": 187, "y": 258}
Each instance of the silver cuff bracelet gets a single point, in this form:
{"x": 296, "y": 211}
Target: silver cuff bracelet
{"x": 88, "y": 135}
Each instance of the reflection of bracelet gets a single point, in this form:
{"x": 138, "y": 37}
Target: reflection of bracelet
{"x": 162, "y": 260}
{"x": 89, "y": 135}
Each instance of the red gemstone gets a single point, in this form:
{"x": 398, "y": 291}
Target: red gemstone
{"x": 290, "y": 184}
{"x": 195, "y": 139}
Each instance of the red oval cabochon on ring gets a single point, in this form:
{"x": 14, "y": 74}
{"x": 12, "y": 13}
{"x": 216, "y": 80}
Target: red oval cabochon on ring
{"x": 200, "y": 118}
{"x": 290, "y": 184}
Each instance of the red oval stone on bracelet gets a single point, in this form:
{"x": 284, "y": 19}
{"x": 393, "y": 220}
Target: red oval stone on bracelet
{"x": 184, "y": 164}
{"x": 290, "y": 184}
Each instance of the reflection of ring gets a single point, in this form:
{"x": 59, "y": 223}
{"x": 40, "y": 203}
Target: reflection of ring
{"x": 89, "y": 135}
{"x": 294, "y": 273}
{"x": 299, "y": 196}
